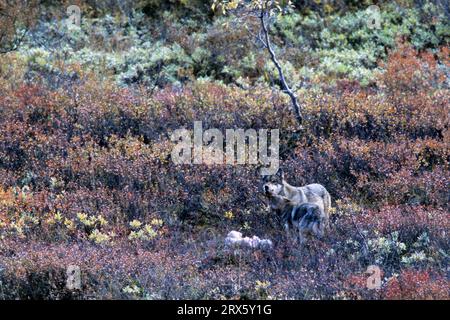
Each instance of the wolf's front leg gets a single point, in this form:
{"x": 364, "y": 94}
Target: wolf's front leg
{"x": 301, "y": 237}
{"x": 290, "y": 234}
{"x": 286, "y": 230}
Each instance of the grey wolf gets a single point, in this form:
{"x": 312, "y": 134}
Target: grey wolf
{"x": 311, "y": 193}
{"x": 307, "y": 218}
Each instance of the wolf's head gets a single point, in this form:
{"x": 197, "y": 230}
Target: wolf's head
{"x": 272, "y": 189}
{"x": 278, "y": 204}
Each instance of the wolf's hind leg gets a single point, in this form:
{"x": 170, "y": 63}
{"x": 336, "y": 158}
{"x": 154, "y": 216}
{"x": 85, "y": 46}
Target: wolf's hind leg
{"x": 317, "y": 229}
{"x": 327, "y": 203}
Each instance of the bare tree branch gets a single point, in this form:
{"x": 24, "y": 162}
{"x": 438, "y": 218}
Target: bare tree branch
{"x": 286, "y": 88}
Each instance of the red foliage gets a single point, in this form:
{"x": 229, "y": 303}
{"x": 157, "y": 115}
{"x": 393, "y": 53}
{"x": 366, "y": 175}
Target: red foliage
{"x": 105, "y": 152}
{"x": 417, "y": 285}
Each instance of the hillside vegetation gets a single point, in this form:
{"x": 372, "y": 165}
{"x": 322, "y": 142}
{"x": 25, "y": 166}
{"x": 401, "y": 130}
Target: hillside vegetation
{"x": 86, "y": 176}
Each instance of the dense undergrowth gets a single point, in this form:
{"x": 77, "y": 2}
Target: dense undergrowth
{"x": 86, "y": 176}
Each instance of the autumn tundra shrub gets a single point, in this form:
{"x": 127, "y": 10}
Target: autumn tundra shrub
{"x": 87, "y": 179}
{"x": 418, "y": 285}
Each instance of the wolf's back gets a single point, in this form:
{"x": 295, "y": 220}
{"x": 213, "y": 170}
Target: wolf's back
{"x": 317, "y": 190}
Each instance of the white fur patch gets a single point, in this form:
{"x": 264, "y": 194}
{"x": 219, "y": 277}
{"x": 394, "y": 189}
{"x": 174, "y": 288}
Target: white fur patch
{"x": 235, "y": 239}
